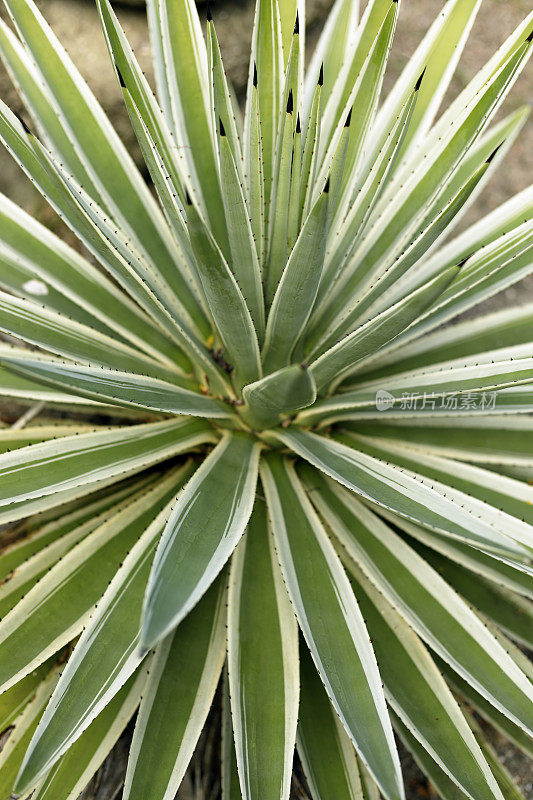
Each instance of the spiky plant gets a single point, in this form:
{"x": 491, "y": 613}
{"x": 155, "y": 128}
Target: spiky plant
{"x": 275, "y": 316}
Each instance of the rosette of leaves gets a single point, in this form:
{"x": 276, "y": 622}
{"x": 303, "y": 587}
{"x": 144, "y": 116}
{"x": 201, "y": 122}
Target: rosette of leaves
{"x": 276, "y": 470}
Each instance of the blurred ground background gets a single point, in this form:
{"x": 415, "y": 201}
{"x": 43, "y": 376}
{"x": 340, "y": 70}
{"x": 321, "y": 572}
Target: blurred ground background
{"x": 76, "y": 24}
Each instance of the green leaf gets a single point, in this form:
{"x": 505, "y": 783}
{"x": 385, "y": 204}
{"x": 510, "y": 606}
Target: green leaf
{"x": 12, "y": 438}
{"x": 17, "y": 388}
{"x": 504, "y": 219}
{"x": 327, "y": 754}
{"x": 144, "y": 105}
{"x": 36, "y": 533}
{"x": 33, "y": 260}
{"x": 104, "y": 156}
{"x": 278, "y": 221}
{"x": 226, "y": 302}
{"x": 91, "y": 460}
{"x": 310, "y": 153}
{"x": 490, "y": 440}
{"x": 491, "y": 269}
{"x": 297, "y": 289}
{"x": 55, "y": 610}
{"x": 513, "y": 45}
{"x": 337, "y": 37}
{"x": 365, "y": 87}
{"x": 282, "y": 392}
{"x": 15, "y": 700}
{"x": 75, "y": 769}
{"x": 402, "y": 214}
{"x": 288, "y": 12}
{"x": 27, "y": 573}
{"x": 441, "y": 387}
{"x": 484, "y": 564}
{"x": 447, "y": 789}
{"x": 438, "y": 54}
{"x": 187, "y": 79}
{"x": 183, "y": 677}
{"x": 293, "y": 220}
{"x": 344, "y": 233}
{"x": 503, "y": 501}
{"x": 512, "y": 613}
{"x": 45, "y": 328}
{"x": 118, "y": 387}
{"x": 427, "y": 602}
{"x": 201, "y": 533}
{"x": 159, "y": 60}
{"x": 495, "y": 717}
{"x": 91, "y": 225}
{"x": 155, "y": 290}
{"x": 368, "y": 784}
{"x": 505, "y": 781}
{"x": 266, "y": 64}
{"x": 331, "y": 622}
{"x": 495, "y": 336}
{"x": 106, "y": 655}
{"x": 13, "y": 750}
{"x": 25, "y": 75}
{"x": 262, "y": 663}
{"x": 221, "y": 98}
{"x": 346, "y": 356}
{"x": 417, "y": 692}
{"x": 395, "y": 490}
{"x": 169, "y": 191}
{"x": 254, "y": 175}
{"x": 493, "y": 146}
{"x": 120, "y": 49}
{"x": 231, "y": 789}
{"x": 431, "y": 230}
{"x": 291, "y": 94}
{"x": 244, "y": 261}
{"x": 358, "y": 57}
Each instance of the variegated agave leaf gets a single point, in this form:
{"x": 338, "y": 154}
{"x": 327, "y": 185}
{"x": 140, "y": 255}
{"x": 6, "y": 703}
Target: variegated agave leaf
{"x": 277, "y": 471}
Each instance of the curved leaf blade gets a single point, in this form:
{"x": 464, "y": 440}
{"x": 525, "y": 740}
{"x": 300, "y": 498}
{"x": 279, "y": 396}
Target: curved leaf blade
{"x": 262, "y": 662}
{"x": 119, "y": 387}
{"x": 91, "y": 460}
{"x": 106, "y": 655}
{"x": 327, "y": 754}
{"x": 201, "y": 533}
{"x": 394, "y": 489}
{"x": 55, "y": 611}
{"x": 434, "y": 610}
{"x": 183, "y": 678}
{"x": 331, "y": 622}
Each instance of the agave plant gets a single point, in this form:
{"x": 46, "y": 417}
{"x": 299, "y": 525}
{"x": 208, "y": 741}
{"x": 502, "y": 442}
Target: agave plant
{"x": 277, "y": 480}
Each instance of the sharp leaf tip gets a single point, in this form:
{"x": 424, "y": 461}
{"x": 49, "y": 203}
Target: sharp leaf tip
{"x": 25, "y": 127}
{"x": 490, "y": 158}
{"x": 120, "y": 77}
{"x": 420, "y": 79}
{"x": 290, "y": 103}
